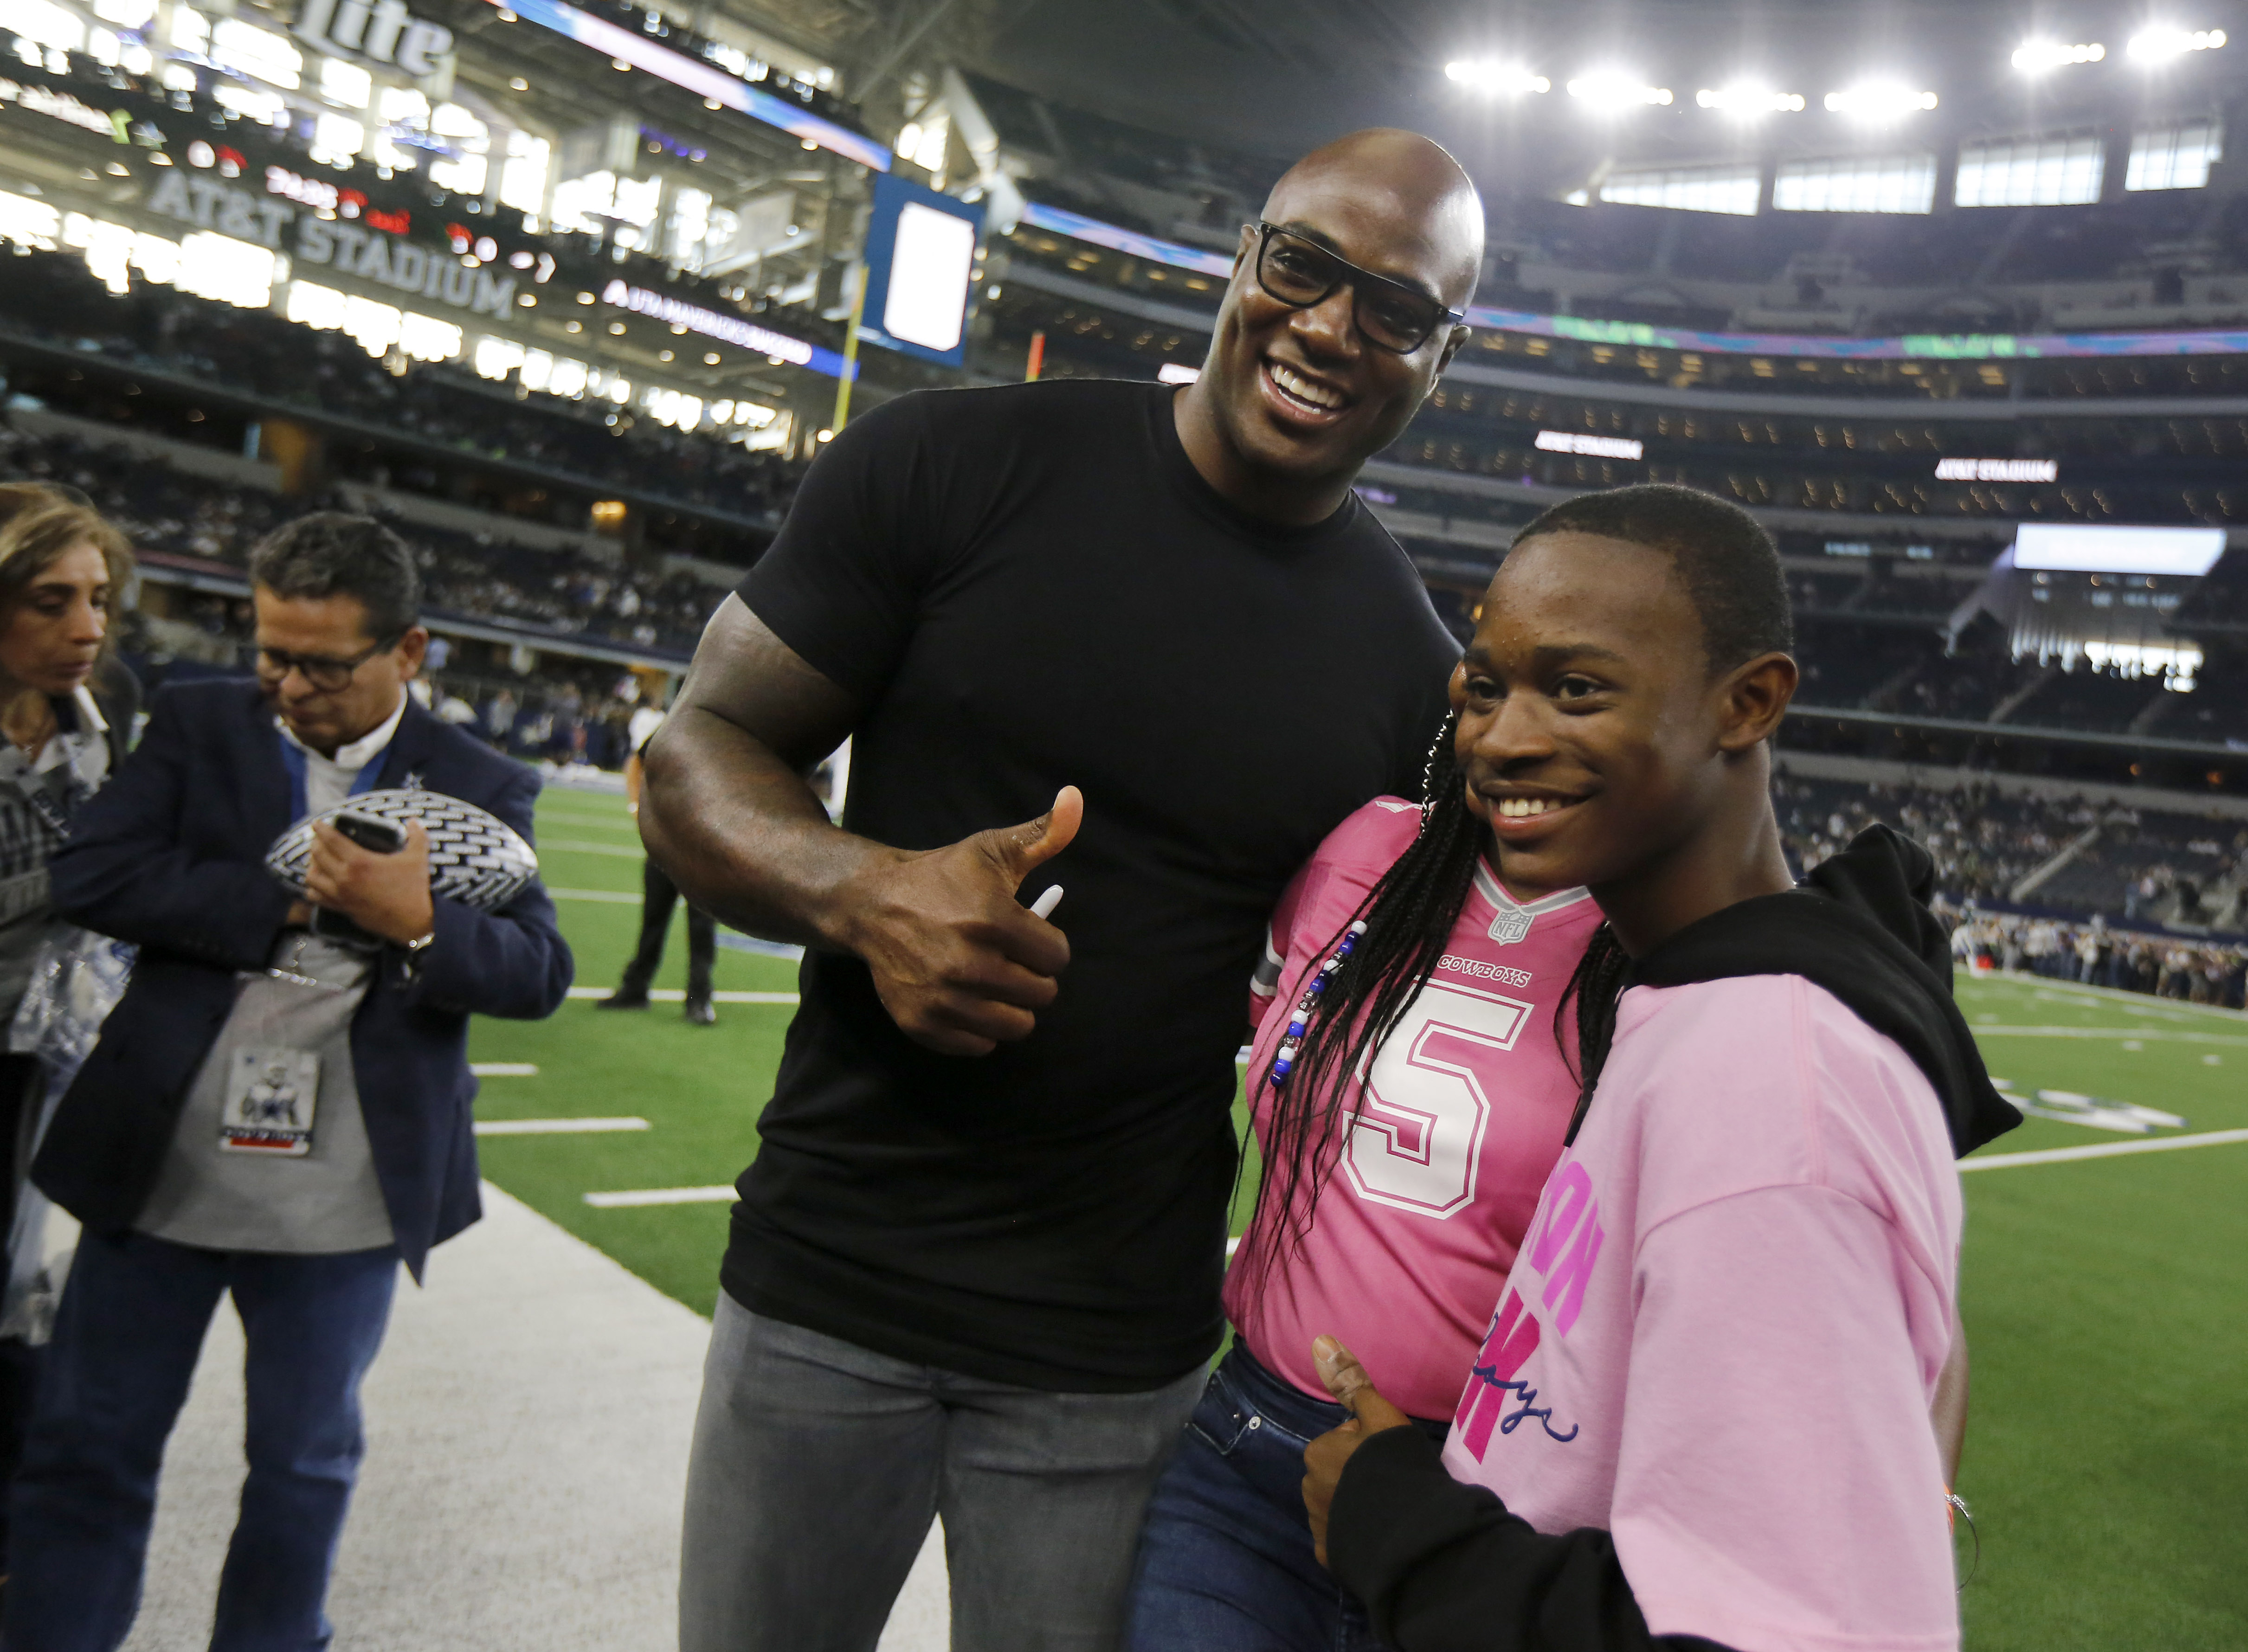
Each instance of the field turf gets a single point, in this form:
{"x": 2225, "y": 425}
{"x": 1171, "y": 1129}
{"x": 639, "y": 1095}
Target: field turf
{"x": 2105, "y": 1298}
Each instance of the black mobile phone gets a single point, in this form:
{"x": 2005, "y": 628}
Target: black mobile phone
{"x": 371, "y": 832}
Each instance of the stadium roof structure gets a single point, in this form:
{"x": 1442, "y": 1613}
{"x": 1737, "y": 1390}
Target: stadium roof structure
{"x": 1274, "y": 79}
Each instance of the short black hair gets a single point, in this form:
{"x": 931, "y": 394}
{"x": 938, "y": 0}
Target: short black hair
{"x": 332, "y": 553}
{"x": 1727, "y": 562}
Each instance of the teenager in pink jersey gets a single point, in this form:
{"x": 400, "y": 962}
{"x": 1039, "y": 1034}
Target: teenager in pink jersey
{"x": 1423, "y": 1202}
{"x": 1393, "y": 1208}
{"x": 1700, "y": 1415}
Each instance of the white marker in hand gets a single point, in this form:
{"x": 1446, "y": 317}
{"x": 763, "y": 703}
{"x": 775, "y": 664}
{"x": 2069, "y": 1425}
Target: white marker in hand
{"x": 1043, "y": 906}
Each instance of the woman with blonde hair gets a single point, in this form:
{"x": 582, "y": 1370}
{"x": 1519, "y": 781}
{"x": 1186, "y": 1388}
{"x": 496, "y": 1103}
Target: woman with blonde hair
{"x": 66, "y": 711}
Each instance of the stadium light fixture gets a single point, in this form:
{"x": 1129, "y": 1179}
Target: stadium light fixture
{"x": 1746, "y": 98}
{"x": 2160, "y": 46}
{"x": 1494, "y": 78}
{"x": 1879, "y": 100}
{"x": 1610, "y": 92}
{"x": 2039, "y": 57}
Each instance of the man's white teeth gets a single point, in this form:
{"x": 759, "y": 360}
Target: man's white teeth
{"x": 1522, "y": 808}
{"x": 1304, "y": 390}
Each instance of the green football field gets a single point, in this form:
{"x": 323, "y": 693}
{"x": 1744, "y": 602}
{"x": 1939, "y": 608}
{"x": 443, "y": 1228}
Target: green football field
{"x": 2106, "y": 1298}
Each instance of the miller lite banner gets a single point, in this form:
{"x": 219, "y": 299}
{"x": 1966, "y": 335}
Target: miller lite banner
{"x": 384, "y": 32}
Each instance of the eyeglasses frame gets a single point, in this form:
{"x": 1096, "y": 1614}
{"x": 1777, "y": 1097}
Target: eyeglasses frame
{"x": 305, "y": 664}
{"x": 1356, "y": 277}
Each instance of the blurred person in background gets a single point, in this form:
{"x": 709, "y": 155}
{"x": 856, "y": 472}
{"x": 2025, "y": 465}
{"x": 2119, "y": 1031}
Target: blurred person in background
{"x": 659, "y": 894}
{"x": 66, "y": 708}
{"x": 453, "y": 709}
{"x": 499, "y": 719}
{"x": 274, "y": 1112}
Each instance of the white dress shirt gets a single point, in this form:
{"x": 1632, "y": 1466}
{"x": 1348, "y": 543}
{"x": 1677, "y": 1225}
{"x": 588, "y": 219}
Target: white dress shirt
{"x": 328, "y": 780}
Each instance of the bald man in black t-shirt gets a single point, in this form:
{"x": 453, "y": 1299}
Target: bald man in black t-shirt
{"x": 1139, "y": 644}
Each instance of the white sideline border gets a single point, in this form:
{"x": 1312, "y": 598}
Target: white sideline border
{"x": 633, "y": 1198}
{"x": 675, "y": 995}
{"x": 558, "y": 1126}
{"x": 2150, "y": 1003}
{"x": 2158, "y": 1035}
{"x": 2103, "y": 1151}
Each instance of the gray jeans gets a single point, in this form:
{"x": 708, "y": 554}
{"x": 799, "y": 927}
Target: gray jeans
{"x": 817, "y": 1466}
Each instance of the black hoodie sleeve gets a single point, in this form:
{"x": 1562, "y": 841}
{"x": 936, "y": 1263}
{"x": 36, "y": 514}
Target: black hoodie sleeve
{"x": 1444, "y": 1567}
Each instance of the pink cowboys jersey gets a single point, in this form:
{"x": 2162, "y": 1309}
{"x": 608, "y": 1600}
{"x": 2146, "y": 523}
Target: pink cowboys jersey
{"x": 1724, "y": 1332}
{"x": 1416, "y": 1226}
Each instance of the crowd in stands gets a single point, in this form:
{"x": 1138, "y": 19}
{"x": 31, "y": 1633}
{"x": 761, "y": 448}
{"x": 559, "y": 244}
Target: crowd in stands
{"x": 2128, "y": 867}
{"x": 2123, "y": 865}
{"x": 2093, "y": 955}
{"x": 567, "y": 592}
{"x": 1983, "y": 842}
{"x": 563, "y": 711}
{"x": 327, "y": 376}
{"x": 567, "y": 713}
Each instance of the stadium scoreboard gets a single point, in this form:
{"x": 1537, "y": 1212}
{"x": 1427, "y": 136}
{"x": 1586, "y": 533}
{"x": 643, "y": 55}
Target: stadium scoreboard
{"x": 2083, "y": 548}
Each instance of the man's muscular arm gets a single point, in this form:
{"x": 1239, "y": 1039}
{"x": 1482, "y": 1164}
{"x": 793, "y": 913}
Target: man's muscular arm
{"x": 727, "y": 811}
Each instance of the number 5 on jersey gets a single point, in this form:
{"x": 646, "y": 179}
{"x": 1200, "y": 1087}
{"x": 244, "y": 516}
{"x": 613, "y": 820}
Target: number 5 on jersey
{"x": 1419, "y": 1129}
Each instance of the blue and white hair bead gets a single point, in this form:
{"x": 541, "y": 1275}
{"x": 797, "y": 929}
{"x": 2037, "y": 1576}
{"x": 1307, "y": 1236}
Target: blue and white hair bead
{"x": 1291, "y": 1040}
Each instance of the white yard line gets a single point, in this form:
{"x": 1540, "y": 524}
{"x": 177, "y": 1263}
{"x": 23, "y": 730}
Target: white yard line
{"x": 2093, "y": 997}
{"x": 2161, "y": 1035}
{"x": 674, "y": 994}
{"x": 2103, "y": 1150}
{"x": 503, "y": 1070}
{"x": 556, "y": 1126}
{"x": 630, "y": 1197}
{"x": 617, "y": 897}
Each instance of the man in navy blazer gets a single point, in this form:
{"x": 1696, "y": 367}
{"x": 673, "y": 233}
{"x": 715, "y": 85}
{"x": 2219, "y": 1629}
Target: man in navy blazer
{"x": 234, "y": 1001}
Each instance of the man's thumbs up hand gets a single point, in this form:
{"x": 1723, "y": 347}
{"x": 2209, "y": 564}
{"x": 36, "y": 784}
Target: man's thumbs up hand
{"x": 959, "y": 963}
{"x": 1016, "y": 852}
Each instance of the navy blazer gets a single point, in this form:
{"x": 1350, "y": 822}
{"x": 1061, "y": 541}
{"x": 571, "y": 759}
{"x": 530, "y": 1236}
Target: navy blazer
{"x": 170, "y": 854}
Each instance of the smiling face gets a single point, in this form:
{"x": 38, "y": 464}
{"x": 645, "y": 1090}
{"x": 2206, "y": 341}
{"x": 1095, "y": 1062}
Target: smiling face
{"x": 1297, "y": 397}
{"x": 51, "y": 635}
{"x": 1594, "y": 738}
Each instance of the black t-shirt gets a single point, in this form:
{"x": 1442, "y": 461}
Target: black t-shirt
{"x": 1031, "y": 586}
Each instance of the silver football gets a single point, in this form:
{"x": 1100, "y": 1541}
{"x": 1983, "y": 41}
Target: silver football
{"x": 475, "y": 857}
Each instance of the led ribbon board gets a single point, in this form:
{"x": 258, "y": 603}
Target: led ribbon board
{"x": 1914, "y": 346}
{"x": 700, "y": 78}
{"x": 1077, "y": 228}
{"x": 919, "y": 257}
{"x": 2081, "y": 548}
{"x": 711, "y": 323}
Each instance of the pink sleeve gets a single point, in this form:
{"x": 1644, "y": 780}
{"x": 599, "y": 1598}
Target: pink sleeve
{"x": 1295, "y": 901}
{"x": 1778, "y": 1486}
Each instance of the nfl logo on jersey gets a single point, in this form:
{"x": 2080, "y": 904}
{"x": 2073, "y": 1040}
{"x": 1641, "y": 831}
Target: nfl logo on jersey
{"x": 1509, "y": 927}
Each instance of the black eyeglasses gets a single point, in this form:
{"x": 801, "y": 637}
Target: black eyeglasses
{"x": 1300, "y": 272}
{"x": 325, "y": 673}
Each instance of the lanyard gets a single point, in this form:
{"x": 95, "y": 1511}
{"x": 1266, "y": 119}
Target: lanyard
{"x": 292, "y": 756}
{"x": 40, "y": 796}
{"x": 38, "y": 793}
